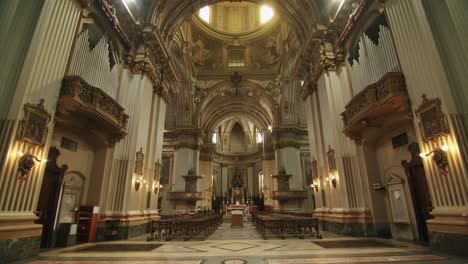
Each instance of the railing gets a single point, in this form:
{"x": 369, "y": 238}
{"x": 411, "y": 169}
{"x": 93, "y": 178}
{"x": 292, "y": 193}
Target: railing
{"x": 83, "y": 100}
{"x": 377, "y": 100}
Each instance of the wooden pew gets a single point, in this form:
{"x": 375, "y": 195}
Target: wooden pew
{"x": 283, "y": 225}
{"x": 184, "y": 227}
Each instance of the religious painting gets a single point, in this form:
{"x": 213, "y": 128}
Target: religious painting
{"x": 432, "y": 120}
{"x": 139, "y": 162}
{"x": 33, "y": 128}
{"x": 331, "y": 159}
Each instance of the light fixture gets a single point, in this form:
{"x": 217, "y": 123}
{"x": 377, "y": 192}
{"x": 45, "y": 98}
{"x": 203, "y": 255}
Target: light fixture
{"x": 26, "y": 163}
{"x": 332, "y": 179}
{"x": 138, "y": 183}
{"x": 270, "y": 128}
{"x": 439, "y": 157}
{"x": 157, "y": 187}
{"x": 314, "y": 186}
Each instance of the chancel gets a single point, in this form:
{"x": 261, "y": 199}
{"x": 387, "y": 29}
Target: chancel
{"x": 221, "y": 131}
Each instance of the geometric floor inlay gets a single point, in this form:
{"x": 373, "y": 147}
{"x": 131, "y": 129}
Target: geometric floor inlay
{"x": 118, "y": 247}
{"x": 118, "y": 262}
{"x": 355, "y": 259}
{"x": 352, "y": 244}
{"x": 235, "y": 246}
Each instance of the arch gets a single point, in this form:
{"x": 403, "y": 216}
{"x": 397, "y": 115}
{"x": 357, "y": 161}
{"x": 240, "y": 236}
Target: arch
{"x": 252, "y": 103}
{"x": 168, "y": 15}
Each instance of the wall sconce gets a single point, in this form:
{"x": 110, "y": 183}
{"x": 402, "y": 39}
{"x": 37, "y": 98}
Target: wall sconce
{"x": 157, "y": 187}
{"x": 314, "y": 186}
{"x": 439, "y": 157}
{"x": 138, "y": 183}
{"x": 26, "y": 163}
{"x": 332, "y": 179}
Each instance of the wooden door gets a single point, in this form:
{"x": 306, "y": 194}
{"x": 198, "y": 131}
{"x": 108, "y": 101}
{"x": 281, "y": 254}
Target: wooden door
{"x": 49, "y": 195}
{"x": 419, "y": 190}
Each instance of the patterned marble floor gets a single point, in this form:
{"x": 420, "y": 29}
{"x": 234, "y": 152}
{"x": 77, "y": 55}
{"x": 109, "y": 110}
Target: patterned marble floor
{"x": 242, "y": 245}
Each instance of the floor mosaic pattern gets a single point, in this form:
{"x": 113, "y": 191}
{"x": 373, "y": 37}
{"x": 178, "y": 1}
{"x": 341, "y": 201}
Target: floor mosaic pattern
{"x": 226, "y": 248}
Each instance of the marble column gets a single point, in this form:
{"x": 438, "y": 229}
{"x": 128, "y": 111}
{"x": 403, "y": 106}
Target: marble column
{"x": 425, "y": 51}
{"x": 42, "y": 65}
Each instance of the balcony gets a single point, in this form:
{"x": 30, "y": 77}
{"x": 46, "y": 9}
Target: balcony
{"x": 83, "y": 106}
{"x": 375, "y": 103}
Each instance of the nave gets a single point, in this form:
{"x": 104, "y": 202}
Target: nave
{"x": 150, "y": 130}
{"x": 230, "y": 245}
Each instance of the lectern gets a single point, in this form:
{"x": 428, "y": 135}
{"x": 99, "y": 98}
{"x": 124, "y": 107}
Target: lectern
{"x": 237, "y": 215}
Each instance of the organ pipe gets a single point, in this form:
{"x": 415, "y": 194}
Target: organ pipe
{"x": 93, "y": 65}
{"x": 374, "y": 60}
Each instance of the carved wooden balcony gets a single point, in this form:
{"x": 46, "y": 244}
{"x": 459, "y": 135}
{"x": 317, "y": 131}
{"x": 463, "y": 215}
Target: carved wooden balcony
{"x": 83, "y": 106}
{"x": 371, "y": 106}
{"x": 185, "y": 196}
{"x": 289, "y": 195}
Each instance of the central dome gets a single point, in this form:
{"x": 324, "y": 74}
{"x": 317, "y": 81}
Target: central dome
{"x": 236, "y": 17}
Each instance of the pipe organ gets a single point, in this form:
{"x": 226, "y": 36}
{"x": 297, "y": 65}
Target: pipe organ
{"x": 93, "y": 64}
{"x": 373, "y": 60}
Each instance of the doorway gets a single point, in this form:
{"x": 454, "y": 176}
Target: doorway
{"x": 420, "y": 195}
{"x": 49, "y": 196}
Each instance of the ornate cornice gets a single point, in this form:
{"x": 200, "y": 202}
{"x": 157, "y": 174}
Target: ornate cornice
{"x": 153, "y": 72}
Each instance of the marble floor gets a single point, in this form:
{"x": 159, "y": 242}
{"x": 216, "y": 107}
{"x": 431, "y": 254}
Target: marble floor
{"x": 243, "y": 245}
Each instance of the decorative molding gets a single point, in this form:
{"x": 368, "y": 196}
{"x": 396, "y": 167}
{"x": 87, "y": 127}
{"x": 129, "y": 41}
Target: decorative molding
{"x": 374, "y": 103}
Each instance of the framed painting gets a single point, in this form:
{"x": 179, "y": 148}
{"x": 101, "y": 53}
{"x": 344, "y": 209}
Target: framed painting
{"x": 34, "y": 126}
{"x": 431, "y": 119}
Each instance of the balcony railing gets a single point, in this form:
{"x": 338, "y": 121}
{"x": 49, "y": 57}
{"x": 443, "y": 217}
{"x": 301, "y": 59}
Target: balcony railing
{"x": 80, "y": 102}
{"x": 374, "y": 103}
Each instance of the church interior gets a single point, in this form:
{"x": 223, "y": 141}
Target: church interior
{"x": 233, "y": 131}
